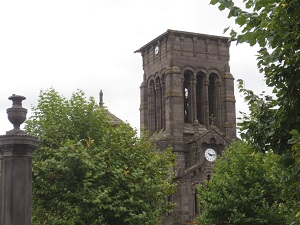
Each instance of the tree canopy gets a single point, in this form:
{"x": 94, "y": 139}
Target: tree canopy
{"x": 87, "y": 171}
{"x": 273, "y": 26}
{"x": 246, "y": 189}
{"x": 273, "y": 123}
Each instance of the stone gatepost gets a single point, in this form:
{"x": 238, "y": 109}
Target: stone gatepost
{"x": 16, "y": 148}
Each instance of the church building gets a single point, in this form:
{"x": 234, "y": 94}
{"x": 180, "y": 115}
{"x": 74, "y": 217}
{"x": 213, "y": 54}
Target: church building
{"x": 188, "y": 103}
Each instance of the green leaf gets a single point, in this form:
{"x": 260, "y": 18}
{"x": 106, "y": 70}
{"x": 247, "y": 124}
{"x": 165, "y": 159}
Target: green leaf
{"x": 221, "y": 7}
{"x": 213, "y": 2}
{"x": 225, "y": 30}
{"x": 294, "y": 132}
{"x": 241, "y": 20}
{"x": 287, "y": 159}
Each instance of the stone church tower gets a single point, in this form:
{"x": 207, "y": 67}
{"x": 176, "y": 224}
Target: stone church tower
{"x": 188, "y": 103}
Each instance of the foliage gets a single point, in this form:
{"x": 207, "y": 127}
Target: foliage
{"x": 273, "y": 123}
{"x": 257, "y": 127}
{"x": 86, "y": 171}
{"x": 274, "y": 25}
{"x": 292, "y": 178}
{"x": 295, "y": 141}
{"x": 246, "y": 189}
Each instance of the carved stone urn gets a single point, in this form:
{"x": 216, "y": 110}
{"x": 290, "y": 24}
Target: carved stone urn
{"x": 16, "y": 114}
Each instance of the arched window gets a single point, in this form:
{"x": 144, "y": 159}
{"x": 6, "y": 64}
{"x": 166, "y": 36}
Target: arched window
{"x": 200, "y": 97}
{"x": 187, "y": 97}
{"x": 212, "y": 97}
{"x": 156, "y": 104}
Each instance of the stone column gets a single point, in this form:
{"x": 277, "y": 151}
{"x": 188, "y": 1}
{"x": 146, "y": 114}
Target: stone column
{"x": 16, "y": 148}
{"x": 151, "y": 108}
{"x": 229, "y": 101}
{"x": 158, "y": 105}
{"x": 218, "y": 104}
{"x": 193, "y": 100}
{"x": 144, "y": 115}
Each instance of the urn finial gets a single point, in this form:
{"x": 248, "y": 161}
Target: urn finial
{"x": 16, "y": 114}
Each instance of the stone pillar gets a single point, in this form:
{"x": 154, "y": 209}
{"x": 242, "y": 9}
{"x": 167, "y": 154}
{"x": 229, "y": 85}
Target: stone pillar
{"x": 144, "y": 115}
{"x": 158, "y": 105}
{"x": 193, "y": 100}
{"x": 16, "y": 148}
{"x": 218, "y": 121}
{"x": 151, "y": 108}
{"x": 174, "y": 107}
{"x": 229, "y": 101}
{"x": 163, "y": 93}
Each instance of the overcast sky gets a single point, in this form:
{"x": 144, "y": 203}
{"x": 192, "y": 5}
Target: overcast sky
{"x": 90, "y": 44}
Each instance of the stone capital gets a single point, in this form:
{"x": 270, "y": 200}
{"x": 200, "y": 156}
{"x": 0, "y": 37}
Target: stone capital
{"x": 172, "y": 70}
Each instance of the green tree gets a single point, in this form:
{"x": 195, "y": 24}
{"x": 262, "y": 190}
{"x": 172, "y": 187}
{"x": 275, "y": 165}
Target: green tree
{"x": 273, "y": 123}
{"x": 86, "y": 171}
{"x": 273, "y": 26}
{"x": 246, "y": 189}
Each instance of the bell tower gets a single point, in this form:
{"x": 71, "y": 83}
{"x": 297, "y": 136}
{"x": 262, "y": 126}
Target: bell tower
{"x": 188, "y": 103}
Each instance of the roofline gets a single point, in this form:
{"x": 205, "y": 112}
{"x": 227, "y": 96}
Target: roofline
{"x": 169, "y": 31}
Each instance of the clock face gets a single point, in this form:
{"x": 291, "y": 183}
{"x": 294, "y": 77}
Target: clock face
{"x": 156, "y": 50}
{"x": 210, "y": 154}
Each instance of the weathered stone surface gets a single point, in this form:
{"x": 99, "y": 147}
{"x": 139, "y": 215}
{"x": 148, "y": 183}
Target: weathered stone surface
{"x": 187, "y": 102}
{"x": 16, "y": 148}
{"x": 16, "y": 178}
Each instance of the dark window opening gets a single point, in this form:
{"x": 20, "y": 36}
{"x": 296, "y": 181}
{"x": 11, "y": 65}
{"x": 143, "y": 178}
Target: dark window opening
{"x": 186, "y": 105}
{"x": 212, "y": 97}
{"x": 200, "y": 98}
{"x": 208, "y": 177}
{"x": 187, "y": 97}
{"x": 156, "y": 105}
